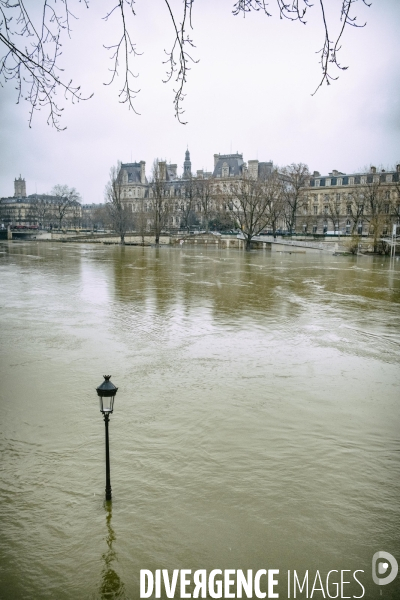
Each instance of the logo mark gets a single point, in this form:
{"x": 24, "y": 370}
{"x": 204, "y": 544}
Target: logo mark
{"x": 380, "y": 568}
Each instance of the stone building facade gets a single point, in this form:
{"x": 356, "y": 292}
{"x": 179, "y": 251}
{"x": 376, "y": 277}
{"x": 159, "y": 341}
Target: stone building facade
{"x": 357, "y": 203}
{"x": 186, "y": 207}
{"x": 36, "y": 210}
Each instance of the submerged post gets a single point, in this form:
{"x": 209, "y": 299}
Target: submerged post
{"x": 106, "y": 392}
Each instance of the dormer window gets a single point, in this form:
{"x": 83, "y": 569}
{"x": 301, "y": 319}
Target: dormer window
{"x": 339, "y": 181}
{"x": 225, "y": 170}
{"x": 317, "y": 182}
{"x": 327, "y": 181}
{"x": 351, "y": 180}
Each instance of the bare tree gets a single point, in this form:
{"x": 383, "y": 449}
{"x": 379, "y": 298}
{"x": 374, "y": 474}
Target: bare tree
{"x": 249, "y": 201}
{"x": 64, "y": 202}
{"x": 160, "y": 200}
{"x": 334, "y": 211}
{"x": 187, "y": 203}
{"x": 38, "y": 76}
{"x": 377, "y": 207}
{"x": 101, "y": 217}
{"x": 140, "y": 219}
{"x": 120, "y": 214}
{"x": 41, "y": 210}
{"x": 272, "y": 191}
{"x": 204, "y": 195}
{"x": 396, "y": 205}
{"x": 294, "y": 177}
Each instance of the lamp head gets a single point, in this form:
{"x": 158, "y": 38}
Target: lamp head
{"x": 106, "y": 392}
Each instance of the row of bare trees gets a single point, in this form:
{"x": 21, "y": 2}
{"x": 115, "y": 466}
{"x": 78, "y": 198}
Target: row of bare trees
{"x": 252, "y": 205}
{"x": 277, "y": 201}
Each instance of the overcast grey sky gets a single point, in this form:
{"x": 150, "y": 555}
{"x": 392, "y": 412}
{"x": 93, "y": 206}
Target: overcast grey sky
{"x": 250, "y": 92}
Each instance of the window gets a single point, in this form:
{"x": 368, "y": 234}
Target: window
{"x": 351, "y": 180}
{"x": 327, "y": 181}
{"x": 363, "y": 179}
{"x": 339, "y": 181}
{"x": 386, "y": 209}
{"x": 314, "y": 229}
{"x": 349, "y": 209}
{"x": 387, "y": 195}
{"x": 317, "y": 182}
{"x": 325, "y": 210}
{"x": 389, "y": 178}
{"x": 315, "y": 210}
{"x": 337, "y": 197}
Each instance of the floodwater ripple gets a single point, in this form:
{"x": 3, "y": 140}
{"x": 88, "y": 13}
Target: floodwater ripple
{"x": 255, "y": 426}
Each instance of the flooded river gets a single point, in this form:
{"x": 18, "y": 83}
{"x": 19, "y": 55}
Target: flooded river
{"x": 256, "y": 424}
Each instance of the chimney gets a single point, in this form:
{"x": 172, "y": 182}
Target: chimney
{"x": 162, "y": 170}
{"x": 373, "y": 169}
{"x": 173, "y": 169}
{"x": 316, "y": 174}
{"x": 142, "y": 171}
{"x": 335, "y": 172}
{"x": 216, "y": 157}
{"x": 200, "y": 174}
{"x": 253, "y": 169}
{"x": 398, "y": 168}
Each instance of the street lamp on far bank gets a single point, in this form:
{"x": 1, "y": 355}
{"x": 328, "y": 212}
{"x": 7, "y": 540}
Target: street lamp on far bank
{"x": 106, "y": 392}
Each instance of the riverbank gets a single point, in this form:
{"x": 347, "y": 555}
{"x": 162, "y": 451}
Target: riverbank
{"x": 303, "y": 244}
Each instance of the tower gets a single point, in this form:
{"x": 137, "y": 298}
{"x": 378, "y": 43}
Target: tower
{"x": 19, "y": 188}
{"x": 187, "y": 166}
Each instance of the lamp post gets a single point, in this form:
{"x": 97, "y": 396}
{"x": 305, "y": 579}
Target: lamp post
{"x": 106, "y": 392}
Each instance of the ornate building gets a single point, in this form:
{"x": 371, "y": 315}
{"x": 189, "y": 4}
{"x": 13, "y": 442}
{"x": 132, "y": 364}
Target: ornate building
{"x": 186, "y": 199}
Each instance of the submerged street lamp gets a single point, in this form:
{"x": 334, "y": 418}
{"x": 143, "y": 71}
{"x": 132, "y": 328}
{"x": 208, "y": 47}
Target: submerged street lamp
{"x": 106, "y": 392}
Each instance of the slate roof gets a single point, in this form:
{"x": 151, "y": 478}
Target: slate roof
{"x": 357, "y": 178}
{"x": 133, "y": 170}
{"x": 233, "y": 161}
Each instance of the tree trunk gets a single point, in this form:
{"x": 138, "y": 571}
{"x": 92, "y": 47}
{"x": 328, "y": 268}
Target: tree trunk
{"x": 122, "y": 236}
{"x": 248, "y": 243}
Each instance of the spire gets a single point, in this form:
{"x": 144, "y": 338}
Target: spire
{"x": 187, "y": 166}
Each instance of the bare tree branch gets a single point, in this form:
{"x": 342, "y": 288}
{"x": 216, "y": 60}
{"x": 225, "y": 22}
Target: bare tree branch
{"x": 125, "y": 47}
{"x": 296, "y": 10}
{"x": 178, "y": 59}
{"x": 35, "y": 66}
